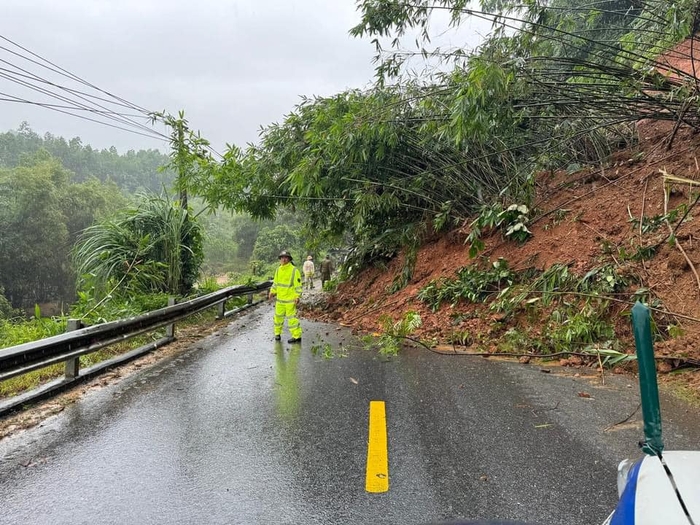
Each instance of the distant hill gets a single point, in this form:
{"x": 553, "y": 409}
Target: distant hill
{"x": 132, "y": 171}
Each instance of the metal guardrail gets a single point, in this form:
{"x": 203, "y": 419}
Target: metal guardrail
{"x": 68, "y": 347}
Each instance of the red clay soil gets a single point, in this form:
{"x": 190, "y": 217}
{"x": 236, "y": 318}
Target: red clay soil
{"x": 592, "y": 229}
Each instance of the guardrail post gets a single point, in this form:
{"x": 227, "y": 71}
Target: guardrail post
{"x": 250, "y": 298}
{"x": 221, "y": 310}
{"x": 648, "y": 387}
{"x": 170, "y": 329}
{"x": 72, "y": 369}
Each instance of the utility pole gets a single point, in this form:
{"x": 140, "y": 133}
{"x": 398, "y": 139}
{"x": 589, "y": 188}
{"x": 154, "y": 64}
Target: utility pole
{"x": 181, "y": 164}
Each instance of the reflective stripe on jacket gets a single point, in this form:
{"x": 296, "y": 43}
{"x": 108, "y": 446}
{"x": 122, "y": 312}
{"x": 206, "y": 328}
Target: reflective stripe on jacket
{"x": 287, "y": 283}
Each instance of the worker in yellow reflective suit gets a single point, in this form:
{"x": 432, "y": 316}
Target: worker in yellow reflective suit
{"x": 286, "y": 285}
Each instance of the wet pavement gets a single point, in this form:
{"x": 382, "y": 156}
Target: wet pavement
{"x": 243, "y": 430}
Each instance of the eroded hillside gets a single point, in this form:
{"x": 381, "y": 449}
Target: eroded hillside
{"x": 610, "y": 220}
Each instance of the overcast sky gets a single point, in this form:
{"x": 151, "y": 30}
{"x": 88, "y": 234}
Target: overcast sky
{"x": 231, "y": 65}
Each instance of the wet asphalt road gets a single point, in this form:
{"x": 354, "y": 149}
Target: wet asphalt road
{"x": 241, "y": 430}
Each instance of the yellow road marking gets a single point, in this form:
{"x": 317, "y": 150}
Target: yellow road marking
{"x": 377, "y": 479}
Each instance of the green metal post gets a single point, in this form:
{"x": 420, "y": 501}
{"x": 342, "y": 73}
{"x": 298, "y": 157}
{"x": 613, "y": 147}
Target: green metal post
{"x": 648, "y": 387}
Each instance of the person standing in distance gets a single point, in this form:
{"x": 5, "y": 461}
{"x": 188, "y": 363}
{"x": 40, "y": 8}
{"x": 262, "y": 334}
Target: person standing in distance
{"x": 326, "y": 270}
{"x": 286, "y": 286}
{"x": 309, "y": 270}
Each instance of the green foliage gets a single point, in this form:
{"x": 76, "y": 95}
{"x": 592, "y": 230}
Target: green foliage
{"x": 622, "y": 32}
{"x": 644, "y": 253}
{"x": 245, "y": 232}
{"x": 190, "y": 154}
{"x": 607, "y": 355}
{"x": 152, "y": 247}
{"x": 622, "y": 253}
{"x": 133, "y": 171}
{"x": 331, "y": 285}
{"x": 603, "y": 280}
{"x": 559, "y": 90}
{"x": 6, "y": 310}
{"x": 32, "y": 232}
{"x": 559, "y": 216}
{"x": 516, "y": 341}
{"x": 573, "y": 311}
{"x": 19, "y": 384}
{"x": 675, "y": 331}
{"x": 389, "y": 346}
{"x": 207, "y": 284}
{"x": 652, "y": 224}
{"x": 445, "y": 217}
{"x": 219, "y": 244}
{"x": 573, "y": 327}
{"x": 234, "y": 278}
{"x": 20, "y": 331}
{"x": 461, "y": 337}
{"x": 371, "y": 168}
{"x": 514, "y": 219}
{"x": 272, "y": 240}
{"x": 186, "y": 237}
{"x": 472, "y": 285}
{"x": 552, "y": 282}
{"x": 610, "y": 357}
{"x": 229, "y": 240}
{"x": 143, "y": 303}
{"x": 389, "y": 341}
{"x": 41, "y": 214}
{"x": 404, "y": 326}
{"x": 512, "y": 222}
{"x": 556, "y": 285}
{"x": 411, "y": 242}
{"x": 94, "y": 312}
{"x": 487, "y": 219}
{"x": 327, "y": 352}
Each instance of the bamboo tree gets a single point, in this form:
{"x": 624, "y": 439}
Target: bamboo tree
{"x": 557, "y": 84}
{"x": 139, "y": 250}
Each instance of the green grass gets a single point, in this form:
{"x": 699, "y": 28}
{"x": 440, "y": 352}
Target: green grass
{"x": 680, "y": 389}
{"x": 19, "y": 332}
{"x": 15, "y": 333}
{"x": 17, "y": 385}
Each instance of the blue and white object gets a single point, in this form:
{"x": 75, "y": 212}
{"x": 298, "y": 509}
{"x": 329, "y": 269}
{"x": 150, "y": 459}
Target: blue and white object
{"x": 659, "y": 490}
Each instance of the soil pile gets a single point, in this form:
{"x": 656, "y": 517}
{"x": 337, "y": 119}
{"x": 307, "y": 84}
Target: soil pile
{"x": 594, "y": 216}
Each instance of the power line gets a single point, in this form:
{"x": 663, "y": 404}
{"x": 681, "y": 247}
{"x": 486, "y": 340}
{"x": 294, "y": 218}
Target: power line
{"x": 122, "y": 118}
{"x": 37, "y": 77}
{"x": 79, "y": 106}
{"x": 47, "y": 105}
{"x": 51, "y": 107}
{"x": 31, "y": 75}
{"x": 67, "y": 73}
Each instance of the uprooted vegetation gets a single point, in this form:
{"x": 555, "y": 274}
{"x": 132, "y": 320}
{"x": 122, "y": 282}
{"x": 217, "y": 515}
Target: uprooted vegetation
{"x": 567, "y": 160}
{"x": 599, "y": 240}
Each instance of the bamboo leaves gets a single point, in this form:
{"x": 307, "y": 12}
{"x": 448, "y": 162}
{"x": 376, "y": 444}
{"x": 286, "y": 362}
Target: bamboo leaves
{"x": 154, "y": 247}
{"x": 562, "y": 86}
